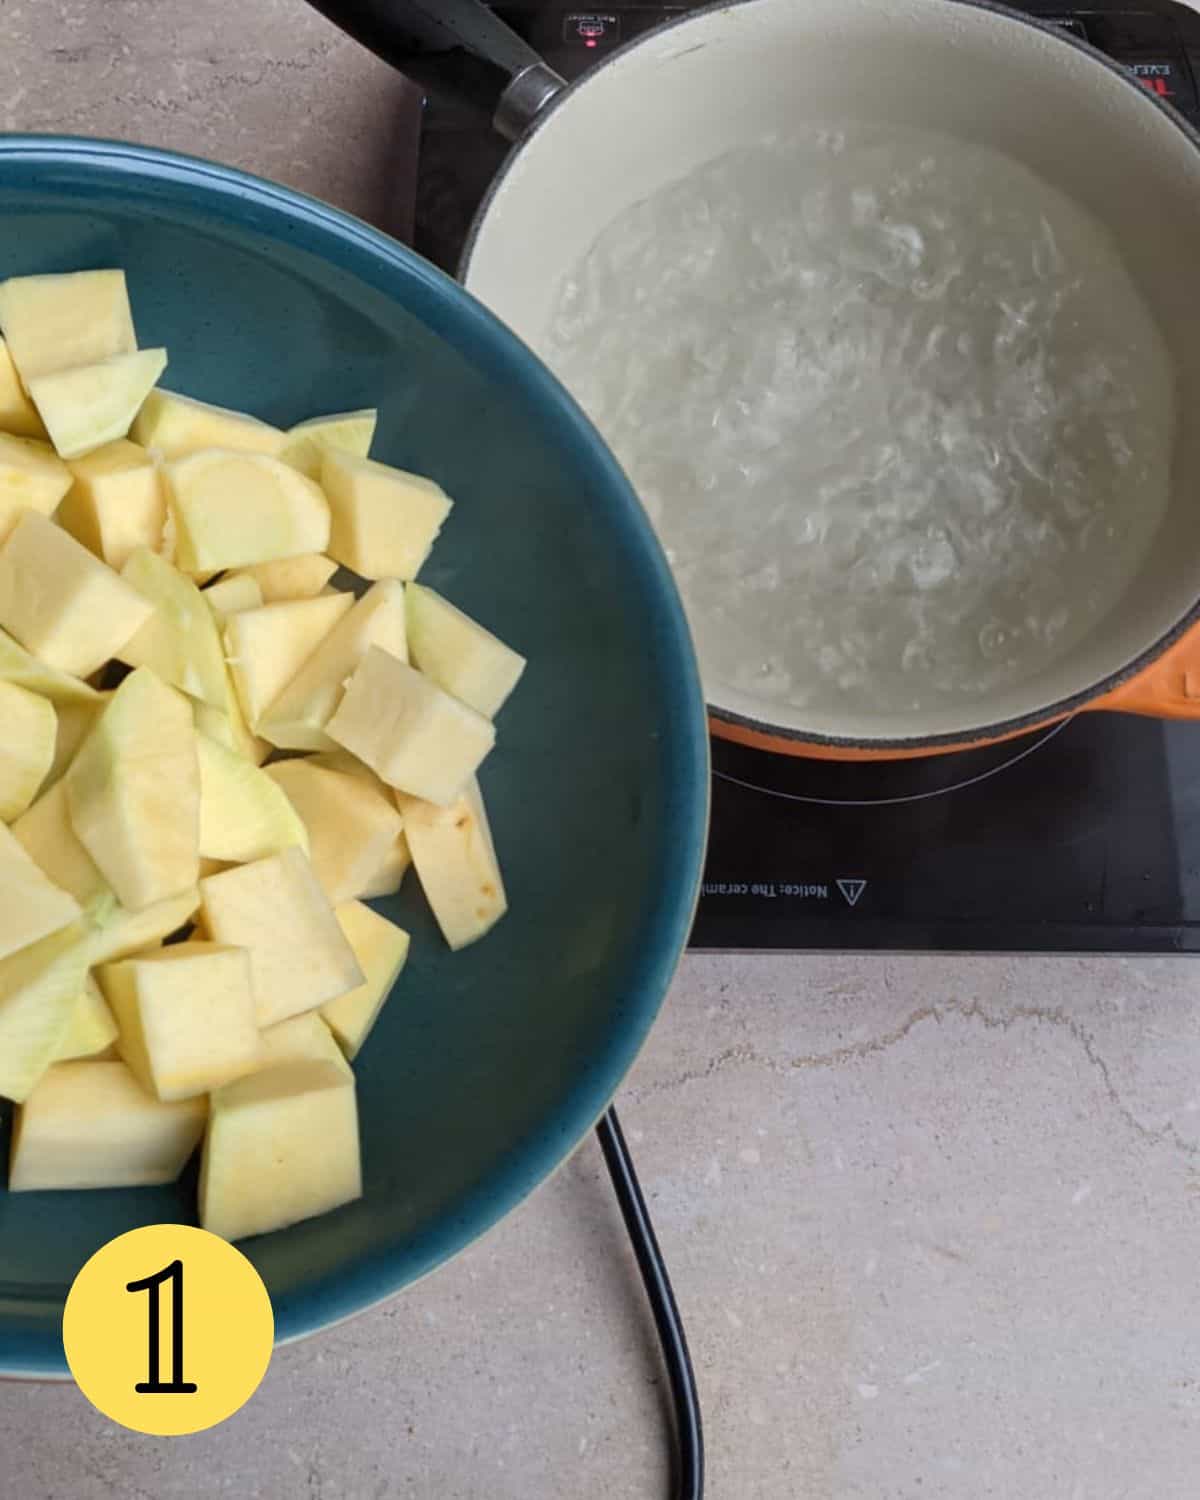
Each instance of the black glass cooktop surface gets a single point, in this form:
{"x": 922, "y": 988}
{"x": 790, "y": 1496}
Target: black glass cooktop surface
{"x": 1082, "y": 838}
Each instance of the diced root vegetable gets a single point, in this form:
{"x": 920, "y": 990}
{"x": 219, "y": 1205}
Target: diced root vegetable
{"x": 175, "y": 426}
{"x": 281, "y": 1146}
{"x": 116, "y": 503}
{"x": 459, "y": 654}
{"x": 337, "y": 759}
{"x": 18, "y": 414}
{"x": 46, "y": 835}
{"x": 291, "y": 577}
{"x": 307, "y": 443}
{"x": 389, "y": 876}
{"x": 245, "y": 814}
{"x": 28, "y": 730}
{"x": 185, "y": 951}
{"x": 229, "y": 728}
{"x": 32, "y": 477}
{"x": 382, "y": 950}
{"x": 384, "y": 521}
{"x": 305, "y": 1038}
{"x": 228, "y": 723}
{"x": 180, "y": 642}
{"x": 63, "y": 321}
{"x": 456, "y": 864}
{"x": 92, "y": 1125}
{"x": 414, "y": 736}
{"x": 232, "y": 594}
{"x": 267, "y": 647}
{"x": 352, "y": 827}
{"x": 125, "y": 932}
{"x": 31, "y": 906}
{"x": 91, "y": 1029}
{"x": 75, "y": 721}
{"x": 233, "y": 509}
{"x": 276, "y": 908}
{"x": 17, "y": 665}
{"x": 297, "y": 716}
{"x": 61, "y": 603}
{"x": 186, "y": 1017}
{"x": 39, "y": 987}
{"x": 90, "y": 405}
{"x": 133, "y": 792}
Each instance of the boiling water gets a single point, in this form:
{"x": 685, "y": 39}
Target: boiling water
{"x": 893, "y": 404}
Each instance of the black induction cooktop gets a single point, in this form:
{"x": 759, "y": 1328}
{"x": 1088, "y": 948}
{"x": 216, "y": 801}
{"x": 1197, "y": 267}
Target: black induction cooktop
{"x": 1082, "y": 838}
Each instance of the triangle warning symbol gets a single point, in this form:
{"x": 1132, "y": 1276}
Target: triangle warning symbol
{"x": 852, "y": 890}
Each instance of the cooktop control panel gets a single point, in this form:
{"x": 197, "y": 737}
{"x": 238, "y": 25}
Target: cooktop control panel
{"x": 1153, "y": 41}
{"x": 1157, "y": 40}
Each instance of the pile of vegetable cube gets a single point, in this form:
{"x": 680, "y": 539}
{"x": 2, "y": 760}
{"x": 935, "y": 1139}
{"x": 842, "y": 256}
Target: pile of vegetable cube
{"x": 211, "y": 757}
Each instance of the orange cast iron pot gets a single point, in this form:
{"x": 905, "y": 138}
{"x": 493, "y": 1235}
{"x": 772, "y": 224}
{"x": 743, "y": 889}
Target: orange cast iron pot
{"x": 1167, "y": 687}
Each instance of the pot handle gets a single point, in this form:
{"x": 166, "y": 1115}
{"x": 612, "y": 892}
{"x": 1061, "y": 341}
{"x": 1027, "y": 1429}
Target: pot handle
{"x": 1169, "y": 688}
{"x": 455, "y": 47}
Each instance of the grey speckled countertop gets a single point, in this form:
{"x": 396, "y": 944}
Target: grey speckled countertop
{"x": 934, "y": 1223}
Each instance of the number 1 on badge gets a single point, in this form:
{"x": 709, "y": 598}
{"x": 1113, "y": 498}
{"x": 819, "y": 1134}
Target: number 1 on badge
{"x": 152, "y": 1286}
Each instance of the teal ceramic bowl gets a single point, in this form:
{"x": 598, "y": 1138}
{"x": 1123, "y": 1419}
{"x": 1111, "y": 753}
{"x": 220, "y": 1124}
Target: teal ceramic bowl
{"x": 487, "y": 1067}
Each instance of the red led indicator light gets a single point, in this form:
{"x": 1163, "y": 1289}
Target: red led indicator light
{"x": 592, "y": 29}
{"x": 1154, "y": 77}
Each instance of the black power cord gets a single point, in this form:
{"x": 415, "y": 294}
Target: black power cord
{"x": 689, "y": 1435}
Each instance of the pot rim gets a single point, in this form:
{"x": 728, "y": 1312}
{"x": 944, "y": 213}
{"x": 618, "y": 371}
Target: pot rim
{"x": 981, "y": 734}
{"x": 949, "y": 739}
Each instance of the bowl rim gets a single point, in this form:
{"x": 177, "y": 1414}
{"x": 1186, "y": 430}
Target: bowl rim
{"x": 447, "y": 310}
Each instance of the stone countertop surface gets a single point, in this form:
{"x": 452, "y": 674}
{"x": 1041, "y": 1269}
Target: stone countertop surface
{"x": 934, "y": 1223}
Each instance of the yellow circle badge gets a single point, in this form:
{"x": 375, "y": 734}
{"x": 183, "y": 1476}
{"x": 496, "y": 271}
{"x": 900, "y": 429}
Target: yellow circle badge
{"x": 168, "y": 1329}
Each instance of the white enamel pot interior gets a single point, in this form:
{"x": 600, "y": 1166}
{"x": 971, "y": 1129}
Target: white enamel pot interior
{"x": 731, "y": 75}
